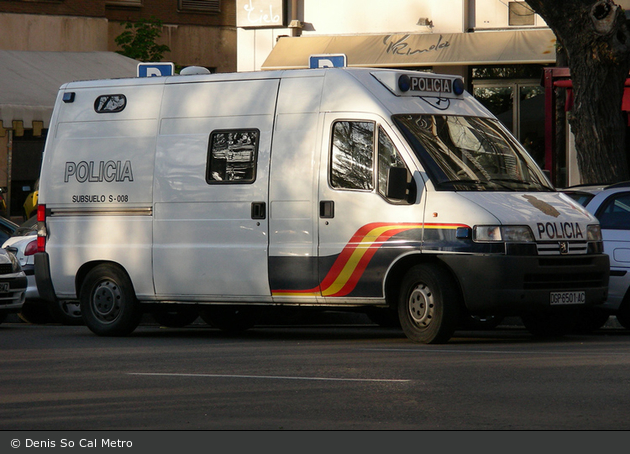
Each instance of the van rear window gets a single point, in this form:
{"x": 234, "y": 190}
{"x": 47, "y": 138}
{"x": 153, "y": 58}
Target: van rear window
{"x": 232, "y": 156}
{"x": 110, "y": 103}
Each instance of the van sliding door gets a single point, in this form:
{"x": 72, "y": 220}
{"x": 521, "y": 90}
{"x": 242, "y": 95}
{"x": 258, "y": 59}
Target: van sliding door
{"x": 211, "y": 191}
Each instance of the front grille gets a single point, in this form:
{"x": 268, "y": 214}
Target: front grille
{"x": 562, "y": 248}
{"x": 9, "y": 298}
{"x": 566, "y": 261}
{"x": 563, "y": 281}
{"x": 6, "y": 268}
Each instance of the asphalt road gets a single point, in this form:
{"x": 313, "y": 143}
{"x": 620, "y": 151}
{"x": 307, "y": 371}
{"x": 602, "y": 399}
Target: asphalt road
{"x": 326, "y": 377}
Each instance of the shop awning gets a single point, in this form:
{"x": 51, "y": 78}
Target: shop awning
{"x": 29, "y": 81}
{"x": 411, "y": 50}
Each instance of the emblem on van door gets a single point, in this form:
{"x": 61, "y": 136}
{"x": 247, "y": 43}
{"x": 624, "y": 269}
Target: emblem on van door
{"x": 110, "y": 103}
{"x": 564, "y": 247}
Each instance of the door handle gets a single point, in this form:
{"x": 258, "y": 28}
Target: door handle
{"x": 326, "y": 209}
{"x": 259, "y": 210}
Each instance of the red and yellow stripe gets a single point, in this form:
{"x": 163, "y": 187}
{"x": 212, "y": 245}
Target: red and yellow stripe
{"x": 349, "y": 266}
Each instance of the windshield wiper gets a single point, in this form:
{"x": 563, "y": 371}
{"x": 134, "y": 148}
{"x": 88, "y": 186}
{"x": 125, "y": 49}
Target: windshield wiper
{"x": 511, "y": 180}
{"x": 467, "y": 182}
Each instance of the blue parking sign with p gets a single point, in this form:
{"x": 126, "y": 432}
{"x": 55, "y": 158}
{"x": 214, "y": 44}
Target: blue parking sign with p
{"x": 155, "y": 69}
{"x": 327, "y": 61}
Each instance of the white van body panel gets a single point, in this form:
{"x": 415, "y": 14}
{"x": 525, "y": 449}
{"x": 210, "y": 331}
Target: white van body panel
{"x": 544, "y": 213}
{"x": 293, "y": 208}
{"x": 194, "y": 220}
{"x": 97, "y": 171}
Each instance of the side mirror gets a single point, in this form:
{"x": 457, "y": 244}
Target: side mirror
{"x": 396, "y": 183}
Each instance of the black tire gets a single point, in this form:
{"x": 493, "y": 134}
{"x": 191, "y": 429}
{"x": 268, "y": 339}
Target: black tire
{"x": 108, "y": 302}
{"x": 623, "y": 317}
{"x": 175, "y": 317}
{"x": 623, "y": 313}
{"x": 3, "y": 317}
{"x": 551, "y": 324}
{"x": 231, "y": 319}
{"x": 481, "y": 322}
{"x": 66, "y": 312}
{"x": 429, "y": 305}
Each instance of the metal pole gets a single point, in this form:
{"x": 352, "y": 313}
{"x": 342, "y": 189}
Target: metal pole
{"x": 7, "y": 199}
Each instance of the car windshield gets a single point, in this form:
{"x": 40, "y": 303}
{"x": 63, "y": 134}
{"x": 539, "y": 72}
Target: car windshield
{"x": 27, "y": 228}
{"x": 581, "y": 197}
{"x": 470, "y": 154}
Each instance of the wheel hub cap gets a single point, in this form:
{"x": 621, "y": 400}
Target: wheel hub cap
{"x": 107, "y": 299}
{"x": 421, "y": 305}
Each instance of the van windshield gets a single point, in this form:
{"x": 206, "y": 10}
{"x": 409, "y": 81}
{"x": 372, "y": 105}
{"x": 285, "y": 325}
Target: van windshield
{"x": 470, "y": 154}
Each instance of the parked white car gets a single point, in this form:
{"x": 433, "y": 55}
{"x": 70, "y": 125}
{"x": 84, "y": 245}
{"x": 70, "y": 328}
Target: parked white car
{"x": 611, "y": 205}
{"x": 23, "y": 244}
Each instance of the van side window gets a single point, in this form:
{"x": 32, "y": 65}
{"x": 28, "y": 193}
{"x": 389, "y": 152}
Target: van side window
{"x": 388, "y": 156}
{"x": 232, "y": 156}
{"x": 352, "y": 155}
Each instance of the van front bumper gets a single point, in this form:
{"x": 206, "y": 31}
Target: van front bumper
{"x": 514, "y": 285}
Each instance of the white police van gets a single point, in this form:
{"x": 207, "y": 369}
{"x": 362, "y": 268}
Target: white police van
{"x": 387, "y": 191}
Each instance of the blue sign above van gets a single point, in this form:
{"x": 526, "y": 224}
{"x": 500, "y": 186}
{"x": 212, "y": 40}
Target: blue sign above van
{"x": 327, "y": 61}
{"x": 155, "y": 69}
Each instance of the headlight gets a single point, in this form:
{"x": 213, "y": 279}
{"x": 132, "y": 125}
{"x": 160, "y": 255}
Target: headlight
{"x": 593, "y": 232}
{"x": 506, "y": 233}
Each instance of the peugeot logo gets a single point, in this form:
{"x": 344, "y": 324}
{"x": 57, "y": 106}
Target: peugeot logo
{"x": 564, "y": 247}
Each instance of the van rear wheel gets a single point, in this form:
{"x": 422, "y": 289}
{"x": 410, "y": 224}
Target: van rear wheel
{"x": 429, "y": 305}
{"x": 108, "y": 302}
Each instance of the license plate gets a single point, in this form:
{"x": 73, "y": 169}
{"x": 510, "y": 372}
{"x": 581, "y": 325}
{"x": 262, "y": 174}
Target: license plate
{"x": 4, "y": 287}
{"x": 560, "y": 298}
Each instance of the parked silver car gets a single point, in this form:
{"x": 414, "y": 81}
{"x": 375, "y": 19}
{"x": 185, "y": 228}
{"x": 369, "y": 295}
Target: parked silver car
{"x": 611, "y": 205}
{"x": 12, "y": 285}
{"x": 23, "y": 244}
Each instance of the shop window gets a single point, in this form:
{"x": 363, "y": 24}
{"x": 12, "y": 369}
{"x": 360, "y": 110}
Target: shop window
{"x": 519, "y": 105}
{"x": 206, "y": 6}
{"x": 520, "y": 14}
{"x": 498, "y": 99}
{"x": 531, "y": 121}
{"x": 352, "y": 155}
{"x": 232, "y": 156}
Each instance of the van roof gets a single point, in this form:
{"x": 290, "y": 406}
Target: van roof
{"x": 378, "y": 83}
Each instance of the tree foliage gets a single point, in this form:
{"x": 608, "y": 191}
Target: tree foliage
{"x": 138, "y": 41}
{"x": 596, "y": 39}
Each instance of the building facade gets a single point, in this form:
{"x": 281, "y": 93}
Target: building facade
{"x": 198, "y": 32}
{"x": 500, "y": 47}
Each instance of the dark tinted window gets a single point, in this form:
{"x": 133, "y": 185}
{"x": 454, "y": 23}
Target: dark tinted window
{"x": 615, "y": 212}
{"x": 352, "y": 155}
{"x": 232, "y": 156}
{"x": 580, "y": 197}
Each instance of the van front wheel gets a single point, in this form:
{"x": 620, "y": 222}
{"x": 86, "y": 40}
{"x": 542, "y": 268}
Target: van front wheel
{"x": 108, "y": 302}
{"x": 428, "y": 307}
